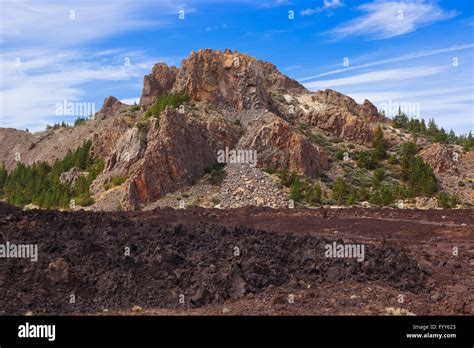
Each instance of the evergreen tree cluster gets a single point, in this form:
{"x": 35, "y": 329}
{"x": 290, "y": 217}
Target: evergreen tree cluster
{"x": 77, "y": 122}
{"x": 300, "y": 191}
{"x": 80, "y": 120}
{"x": 370, "y": 159}
{"x": 57, "y": 126}
{"x": 437, "y": 135}
{"x": 418, "y": 176}
{"x": 39, "y": 183}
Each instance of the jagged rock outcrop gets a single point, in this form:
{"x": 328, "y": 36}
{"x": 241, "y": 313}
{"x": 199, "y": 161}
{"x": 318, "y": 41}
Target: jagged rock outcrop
{"x": 227, "y": 78}
{"x": 453, "y": 169}
{"x": 159, "y": 82}
{"x": 278, "y": 146}
{"x": 70, "y": 177}
{"x": 177, "y": 154}
{"x": 441, "y": 157}
{"x": 104, "y": 142}
{"x": 340, "y": 116}
{"x": 112, "y": 107}
{"x": 333, "y": 99}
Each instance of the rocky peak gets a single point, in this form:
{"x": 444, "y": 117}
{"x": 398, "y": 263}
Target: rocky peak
{"x": 159, "y": 82}
{"x": 221, "y": 77}
{"x": 334, "y": 99}
{"x": 110, "y": 108}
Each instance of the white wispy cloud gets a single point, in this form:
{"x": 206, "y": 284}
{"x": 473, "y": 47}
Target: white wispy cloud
{"x": 217, "y": 27}
{"x": 327, "y": 5}
{"x": 377, "y": 76}
{"x": 68, "y": 24}
{"x": 452, "y": 106}
{"x": 402, "y": 58}
{"x": 293, "y": 67}
{"x": 386, "y": 19}
{"x": 30, "y": 90}
{"x": 34, "y": 78}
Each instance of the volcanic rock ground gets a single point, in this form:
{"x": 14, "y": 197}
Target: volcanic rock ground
{"x": 251, "y": 260}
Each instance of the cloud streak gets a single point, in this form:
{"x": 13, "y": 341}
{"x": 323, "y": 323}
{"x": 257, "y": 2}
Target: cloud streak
{"x": 377, "y": 76}
{"x": 403, "y": 58}
{"x": 68, "y": 24}
{"x": 387, "y": 19}
{"x": 327, "y": 5}
{"x": 30, "y": 90}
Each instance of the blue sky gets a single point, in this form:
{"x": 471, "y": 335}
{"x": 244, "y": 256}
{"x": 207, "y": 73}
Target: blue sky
{"x": 414, "y": 53}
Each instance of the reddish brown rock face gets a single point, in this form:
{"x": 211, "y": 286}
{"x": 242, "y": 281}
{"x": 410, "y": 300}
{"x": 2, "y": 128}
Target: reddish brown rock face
{"x": 228, "y": 78}
{"x": 440, "y": 157}
{"x": 342, "y": 117}
{"x": 178, "y": 153}
{"x": 159, "y": 82}
{"x": 279, "y": 146}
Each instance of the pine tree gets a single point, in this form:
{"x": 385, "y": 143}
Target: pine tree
{"x": 3, "y": 179}
{"x": 352, "y": 199}
{"x": 432, "y": 127}
{"x": 295, "y": 193}
{"x": 312, "y": 193}
{"x": 418, "y": 175}
{"x": 377, "y": 177}
{"x": 362, "y": 193}
{"x": 379, "y": 144}
{"x": 386, "y": 196}
{"x": 339, "y": 190}
{"x": 422, "y": 126}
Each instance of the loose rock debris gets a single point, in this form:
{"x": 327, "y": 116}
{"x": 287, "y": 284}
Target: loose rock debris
{"x": 89, "y": 261}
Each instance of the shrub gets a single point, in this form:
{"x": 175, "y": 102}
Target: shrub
{"x": 312, "y": 193}
{"x": 383, "y": 196}
{"x": 270, "y": 169}
{"x": 216, "y": 173}
{"x": 352, "y": 199}
{"x": 143, "y": 129}
{"x": 363, "y": 193}
{"x": 446, "y": 201}
{"x": 286, "y": 177}
{"x": 119, "y": 180}
{"x": 84, "y": 200}
{"x": 216, "y": 166}
{"x": 366, "y": 160}
{"x": 173, "y": 100}
{"x": 217, "y": 176}
{"x": 340, "y": 155}
{"x": 377, "y": 177}
{"x": 392, "y": 159}
{"x": 295, "y": 192}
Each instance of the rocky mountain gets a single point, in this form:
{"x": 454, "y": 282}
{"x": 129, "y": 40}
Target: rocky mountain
{"x": 158, "y": 153}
